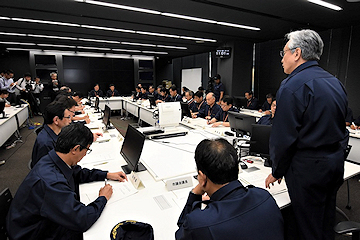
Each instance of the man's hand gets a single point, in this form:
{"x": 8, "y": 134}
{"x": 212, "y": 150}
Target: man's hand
{"x": 106, "y": 191}
{"x": 117, "y": 176}
{"x": 198, "y": 190}
{"x": 87, "y": 120}
{"x": 270, "y": 180}
{"x": 217, "y": 124}
{"x": 96, "y": 135}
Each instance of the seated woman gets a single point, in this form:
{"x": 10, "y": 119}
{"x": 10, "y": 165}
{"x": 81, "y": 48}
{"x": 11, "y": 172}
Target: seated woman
{"x": 267, "y": 119}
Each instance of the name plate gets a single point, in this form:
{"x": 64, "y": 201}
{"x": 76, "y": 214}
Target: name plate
{"x": 135, "y": 180}
{"x": 179, "y": 183}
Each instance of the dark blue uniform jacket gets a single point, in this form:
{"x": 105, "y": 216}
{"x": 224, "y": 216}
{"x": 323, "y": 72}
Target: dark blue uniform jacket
{"x": 266, "y": 120}
{"x": 310, "y": 116}
{"x": 44, "y": 142}
{"x": 218, "y": 88}
{"x": 209, "y": 111}
{"x": 233, "y": 212}
{"x": 47, "y": 206}
{"x": 224, "y": 116}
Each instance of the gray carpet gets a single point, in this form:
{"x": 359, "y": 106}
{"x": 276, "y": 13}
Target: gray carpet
{"x": 15, "y": 169}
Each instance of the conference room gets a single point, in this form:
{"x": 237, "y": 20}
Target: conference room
{"x": 182, "y": 43}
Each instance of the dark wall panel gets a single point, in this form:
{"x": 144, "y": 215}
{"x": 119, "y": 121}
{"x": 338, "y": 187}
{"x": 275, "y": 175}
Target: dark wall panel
{"x": 18, "y": 61}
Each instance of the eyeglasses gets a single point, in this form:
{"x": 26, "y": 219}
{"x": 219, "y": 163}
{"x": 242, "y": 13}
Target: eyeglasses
{"x": 68, "y": 117}
{"x": 88, "y": 150}
{"x": 282, "y": 53}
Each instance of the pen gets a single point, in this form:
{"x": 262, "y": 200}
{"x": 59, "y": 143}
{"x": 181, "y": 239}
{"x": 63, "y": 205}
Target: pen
{"x": 100, "y": 163}
{"x": 354, "y": 125}
{"x": 105, "y": 181}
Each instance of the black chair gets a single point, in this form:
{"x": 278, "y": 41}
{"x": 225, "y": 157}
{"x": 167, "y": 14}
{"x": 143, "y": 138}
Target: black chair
{"x": 5, "y": 200}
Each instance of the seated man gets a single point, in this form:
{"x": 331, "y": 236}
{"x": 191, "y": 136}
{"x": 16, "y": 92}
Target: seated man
{"x": 211, "y": 108}
{"x": 355, "y": 124}
{"x": 112, "y": 92}
{"x": 152, "y": 91}
{"x": 47, "y": 204}
{"x": 174, "y": 96}
{"x": 3, "y": 95}
{"x": 137, "y": 93}
{"x": 200, "y": 104}
{"x": 268, "y": 119}
{"x": 144, "y": 94}
{"x": 96, "y": 92}
{"x": 222, "y": 117}
{"x": 349, "y": 117}
{"x": 189, "y": 99}
{"x": 267, "y": 104}
{"x": 252, "y": 102}
{"x": 164, "y": 96}
{"x": 78, "y": 96}
{"x": 233, "y": 211}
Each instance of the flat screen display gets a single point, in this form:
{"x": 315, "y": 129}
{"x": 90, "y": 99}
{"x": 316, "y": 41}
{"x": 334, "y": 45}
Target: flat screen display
{"x": 224, "y": 52}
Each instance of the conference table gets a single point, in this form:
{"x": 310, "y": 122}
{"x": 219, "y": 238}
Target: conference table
{"x": 16, "y": 116}
{"x": 165, "y": 159}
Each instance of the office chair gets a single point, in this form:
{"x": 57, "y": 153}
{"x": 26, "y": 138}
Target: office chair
{"x": 348, "y": 227}
{"x": 5, "y": 200}
{"x": 36, "y": 131}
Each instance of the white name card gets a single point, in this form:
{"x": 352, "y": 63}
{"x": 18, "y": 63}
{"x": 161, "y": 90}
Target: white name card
{"x": 179, "y": 183}
{"x": 135, "y": 180}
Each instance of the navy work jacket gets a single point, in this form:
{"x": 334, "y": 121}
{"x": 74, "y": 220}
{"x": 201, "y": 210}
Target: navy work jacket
{"x": 209, "y": 111}
{"x": 47, "y": 206}
{"x": 233, "y": 212}
{"x": 310, "y": 116}
{"x": 44, "y": 142}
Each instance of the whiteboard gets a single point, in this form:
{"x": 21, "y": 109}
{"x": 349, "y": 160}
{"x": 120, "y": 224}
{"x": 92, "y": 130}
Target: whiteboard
{"x": 191, "y": 78}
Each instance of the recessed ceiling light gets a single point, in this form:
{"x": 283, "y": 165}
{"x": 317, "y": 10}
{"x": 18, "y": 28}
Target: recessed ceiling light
{"x": 95, "y": 48}
{"x": 13, "y": 34}
{"x": 189, "y": 18}
{"x": 198, "y": 39}
{"x": 49, "y": 36}
{"x": 174, "y": 47}
{"x": 55, "y": 45}
{"x": 152, "y": 52}
{"x": 108, "y": 29}
{"x": 125, "y": 50}
{"x": 45, "y": 22}
{"x": 19, "y": 43}
{"x": 98, "y": 40}
{"x": 139, "y": 44}
{"x": 326, "y": 4}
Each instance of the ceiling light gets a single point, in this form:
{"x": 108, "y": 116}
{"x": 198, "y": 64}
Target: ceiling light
{"x": 175, "y": 47}
{"x": 48, "y": 36}
{"x": 5, "y": 18}
{"x": 238, "y": 26}
{"x": 108, "y": 29}
{"x": 95, "y": 48}
{"x": 189, "y": 18}
{"x": 152, "y": 52}
{"x": 112, "y": 5}
{"x": 139, "y": 44}
{"x": 158, "y": 34}
{"x": 198, "y": 39}
{"x": 22, "y": 49}
{"x": 125, "y": 50}
{"x": 46, "y": 22}
{"x": 13, "y": 34}
{"x": 54, "y": 45}
{"x": 19, "y": 43}
{"x": 326, "y": 4}
{"x": 98, "y": 40}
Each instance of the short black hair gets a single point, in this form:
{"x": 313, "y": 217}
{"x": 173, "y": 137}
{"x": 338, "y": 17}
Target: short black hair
{"x": 52, "y": 110}
{"x": 160, "y": 86}
{"x": 96, "y": 85}
{"x": 228, "y": 100}
{"x": 173, "y": 87}
{"x": 269, "y": 95}
{"x": 4, "y": 91}
{"x": 9, "y": 71}
{"x": 199, "y": 94}
{"x": 111, "y": 85}
{"x": 144, "y": 87}
{"x": 164, "y": 90}
{"x": 249, "y": 92}
{"x": 27, "y": 74}
{"x": 72, "y": 135}
{"x": 68, "y": 102}
{"x": 138, "y": 88}
{"x": 218, "y": 160}
{"x": 217, "y": 76}
{"x": 185, "y": 89}
{"x": 201, "y": 88}
{"x": 79, "y": 94}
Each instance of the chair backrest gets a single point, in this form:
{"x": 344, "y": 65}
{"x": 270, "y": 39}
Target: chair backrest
{"x": 5, "y": 201}
{"x": 347, "y": 151}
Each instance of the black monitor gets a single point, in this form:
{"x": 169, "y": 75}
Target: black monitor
{"x": 2, "y": 110}
{"x": 259, "y": 143}
{"x": 97, "y": 102}
{"x": 240, "y": 102}
{"x": 152, "y": 101}
{"x": 241, "y": 123}
{"x": 185, "y": 110}
{"x": 131, "y": 150}
{"x": 106, "y": 117}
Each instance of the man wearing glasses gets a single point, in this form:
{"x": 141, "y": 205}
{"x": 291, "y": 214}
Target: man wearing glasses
{"x": 47, "y": 204}
{"x": 308, "y": 136}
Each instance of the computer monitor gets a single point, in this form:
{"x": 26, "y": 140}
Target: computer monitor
{"x": 131, "y": 150}
{"x": 2, "y": 110}
{"x": 97, "y": 102}
{"x": 169, "y": 114}
{"x": 259, "y": 143}
{"x": 241, "y": 123}
{"x": 106, "y": 117}
{"x": 152, "y": 101}
{"x": 185, "y": 110}
{"x": 240, "y": 102}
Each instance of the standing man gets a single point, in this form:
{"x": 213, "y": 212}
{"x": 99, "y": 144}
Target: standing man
{"x": 38, "y": 87}
{"x": 308, "y": 135}
{"x": 54, "y": 85}
{"x": 219, "y": 89}
{"x": 7, "y": 83}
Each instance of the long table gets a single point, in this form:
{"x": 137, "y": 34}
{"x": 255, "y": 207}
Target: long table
{"x": 16, "y": 117}
{"x": 154, "y": 204}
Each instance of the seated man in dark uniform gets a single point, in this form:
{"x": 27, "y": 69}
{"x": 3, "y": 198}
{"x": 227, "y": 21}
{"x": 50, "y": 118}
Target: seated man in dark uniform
{"x": 112, "y": 92}
{"x": 222, "y": 117}
{"x": 144, "y": 94}
{"x": 233, "y": 211}
{"x": 267, "y": 104}
{"x": 175, "y": 97}
{"x": 164, "y": 96}
{"x": 252, "y": 102}
{"x": 189, "y": 96}
{"x": 200, "y": 104}
{"x": 268, "y": 119}
{"x": 211, "y": 109}
{"x": 47, "y": 204}
{"x": 96, "y": 92}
